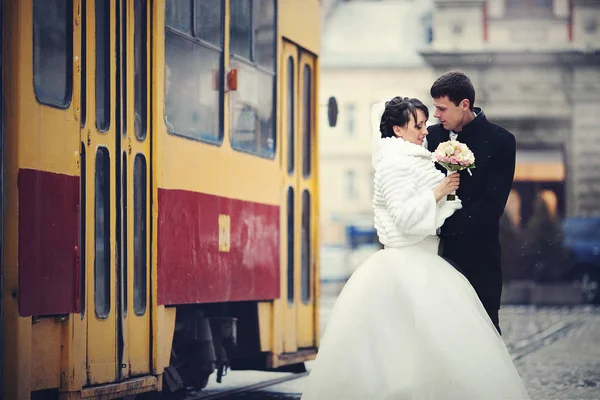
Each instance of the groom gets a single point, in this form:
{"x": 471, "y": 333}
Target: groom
{"x": 470, "y": 237}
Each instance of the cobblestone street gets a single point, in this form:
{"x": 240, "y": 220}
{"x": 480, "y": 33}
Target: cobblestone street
{"x": 556, "y": 351}
{"x": 566, "y": 368}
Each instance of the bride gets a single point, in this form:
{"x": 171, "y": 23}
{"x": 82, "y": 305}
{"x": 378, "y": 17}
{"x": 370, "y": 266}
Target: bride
{"x": 407, "y": 325}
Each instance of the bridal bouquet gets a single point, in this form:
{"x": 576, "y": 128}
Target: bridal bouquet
{"x": 454, "y": 156}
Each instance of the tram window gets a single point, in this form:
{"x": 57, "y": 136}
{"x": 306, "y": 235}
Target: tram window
{"x": 305, "y": 272}
{"x": 179, "y": 15}
{"x": 264, "y": 34}
{"x": 139, "y": 238}
{"x": 252, "y": 44}
{"x": 291, "y": 101}
{"x": 123, "y": 257}
{"x": 194, "y": 71}
{"x": 140, "y": 57}
{"x": 193, "y": 104}
{"x": 209, "y": 21}
{"x": 241, "y": 28}
{"x": 83, "y": 226}
{"x": 53, "y": 52}
{"x": 253, "y": 128}
{"x": 307, "y": 122}
{"x": 290, "y": 245}
{"x": 102, "y": 234}
{"x": 102, "y": 65}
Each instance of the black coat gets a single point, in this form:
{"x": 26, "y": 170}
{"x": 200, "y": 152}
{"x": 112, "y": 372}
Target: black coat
{"x": 470, "y": 236}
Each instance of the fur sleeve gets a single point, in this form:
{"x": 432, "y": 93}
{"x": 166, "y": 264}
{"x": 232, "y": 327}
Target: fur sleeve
{"x": 408, "y": 197}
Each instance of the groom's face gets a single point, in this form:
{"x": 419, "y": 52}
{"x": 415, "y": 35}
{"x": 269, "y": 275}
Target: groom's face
{"x": 450, "y": 115}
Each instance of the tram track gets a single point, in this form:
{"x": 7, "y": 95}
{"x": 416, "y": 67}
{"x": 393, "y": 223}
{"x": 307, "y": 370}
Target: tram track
{"x": 518, "y": 350}
{"x": 542, "y": 338}
{"x": 240, "y": 390}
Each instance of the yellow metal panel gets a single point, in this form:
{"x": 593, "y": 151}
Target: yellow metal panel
{"x": 73, "y": 353}
{"x": 299, "y": 21}
{"x": 59, "y": 353}
{"x": 101, "y": 333}
{"x": 265, "y": 325}
{"x": 22, "y": 130}
{"x": 164, "y": 340}
{"x": 136, "y": 327}
{"x": 160, "y": 353}
{"x": 123, "y": 389}
{"x": 306, "y": 311}
{"x": 221, "y": 171}
{"x": 73, "y": 327}
{"x": 289, "y": 180}
{"x": 46, "y": 337}
{"x": 317, "y": 212}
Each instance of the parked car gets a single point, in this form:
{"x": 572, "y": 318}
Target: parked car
{"x": 581, "y": 236}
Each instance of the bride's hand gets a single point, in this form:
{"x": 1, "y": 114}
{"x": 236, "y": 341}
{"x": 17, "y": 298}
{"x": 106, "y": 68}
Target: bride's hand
{"x": 447, "y": 186}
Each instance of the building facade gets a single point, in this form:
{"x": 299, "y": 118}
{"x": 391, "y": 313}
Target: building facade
{"x": 535, "y": 65}
{"x": 370, "y": 52}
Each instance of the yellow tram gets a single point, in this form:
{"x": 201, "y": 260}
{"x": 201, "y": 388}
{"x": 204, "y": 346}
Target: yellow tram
{"x": 160, "y": 192}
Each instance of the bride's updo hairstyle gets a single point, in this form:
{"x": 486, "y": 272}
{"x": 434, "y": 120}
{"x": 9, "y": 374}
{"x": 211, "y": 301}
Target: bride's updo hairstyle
{"x": 397, "y": 113}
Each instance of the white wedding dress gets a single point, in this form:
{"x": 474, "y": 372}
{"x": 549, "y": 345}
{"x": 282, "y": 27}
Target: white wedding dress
{"x": 407, "y": 325}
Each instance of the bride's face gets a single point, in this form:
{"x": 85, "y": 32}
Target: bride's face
{"x": 414, "y": 131}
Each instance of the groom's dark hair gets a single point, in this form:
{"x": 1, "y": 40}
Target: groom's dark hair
{"x": 456, "y": 85}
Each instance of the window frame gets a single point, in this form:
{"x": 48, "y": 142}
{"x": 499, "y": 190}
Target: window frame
{"x": 145, "y": 72}
{"x": 69, "y": 64}
{"x": 212, "y": 47}
{"x": 254, "y": 64}
{"x": 308, "y": 119}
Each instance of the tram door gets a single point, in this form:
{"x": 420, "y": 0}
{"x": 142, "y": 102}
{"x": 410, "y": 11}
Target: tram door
{"x": 299, "y": 219}
{"x": 115, "y": 163}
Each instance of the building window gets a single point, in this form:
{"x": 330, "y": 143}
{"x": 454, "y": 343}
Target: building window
{"x": 350, "y": 181}
{"x": 427, "y": 22}
{"x": 350, "y": 112}
{"x": 194, "y": 69}
{"x": 253, "y": 55}
{"x": 529, "y": 8}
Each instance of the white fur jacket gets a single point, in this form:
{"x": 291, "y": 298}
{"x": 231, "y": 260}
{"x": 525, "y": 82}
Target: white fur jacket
{"x": 405, "y": 208}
